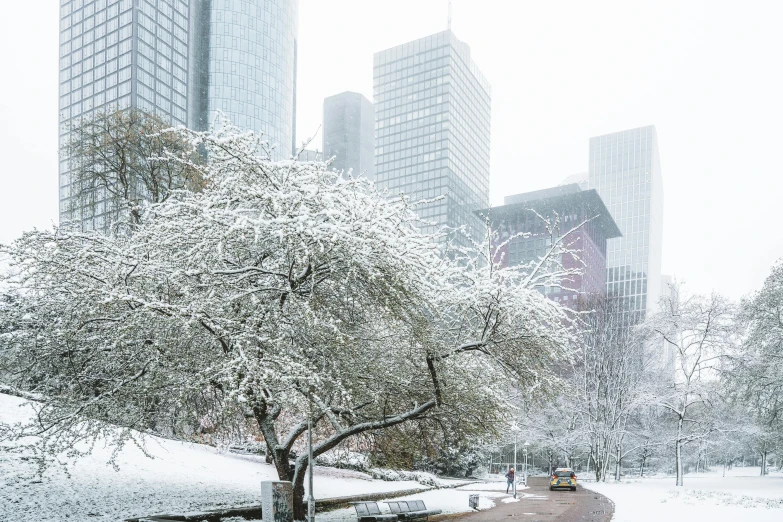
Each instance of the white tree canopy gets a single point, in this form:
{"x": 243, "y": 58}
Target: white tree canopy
{"x": 278, "y": 292}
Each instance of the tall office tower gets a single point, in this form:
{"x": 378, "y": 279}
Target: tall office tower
{"x": 432, "y": 125}
{"x": 252, "y": 66}
{"x": 349, "y": 133}
{"x": 180, "y": 59}
{"x": 625, "y": 170}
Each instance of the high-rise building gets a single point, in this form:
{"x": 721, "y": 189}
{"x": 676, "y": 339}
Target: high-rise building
{"x": 348, "y": 133}
{"x": 252, "y": 65}
{"x": 625, "y": 170}
{"x": 309, "y": 155}
{"x": 432, "y": 130}
{"x": 585, "y": 226}
{"x": 181, "y": 59}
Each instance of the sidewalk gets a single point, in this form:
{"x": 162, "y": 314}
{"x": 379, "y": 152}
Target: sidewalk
{"x": 538, "y": 504}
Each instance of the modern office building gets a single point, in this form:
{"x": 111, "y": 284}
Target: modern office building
{"x": 625, "y": 170}
{"x": 432, "y": 130}
{"x": 585, "y": 226}
{"x": 349, "y": 133}
{"x": 181, "y": 59}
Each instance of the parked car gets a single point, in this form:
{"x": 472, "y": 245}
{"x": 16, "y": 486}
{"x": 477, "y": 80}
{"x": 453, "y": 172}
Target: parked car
{"x": 562, "y": 478}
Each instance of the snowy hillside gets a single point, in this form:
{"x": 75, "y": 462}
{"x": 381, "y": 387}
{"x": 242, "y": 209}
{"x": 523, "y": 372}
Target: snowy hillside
{"x": 181, "y": 478}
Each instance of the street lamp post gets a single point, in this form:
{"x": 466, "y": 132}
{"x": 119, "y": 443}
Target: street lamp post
{"x": 310, "y": 498}
{"x": 515, "y": 464}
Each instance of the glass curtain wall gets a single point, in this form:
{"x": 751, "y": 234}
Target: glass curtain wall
{"x": 432, "y": 131}
{"x": 625, "y": 170}
{"x": 116, "y": 54}
{"x": 252, "y": 67}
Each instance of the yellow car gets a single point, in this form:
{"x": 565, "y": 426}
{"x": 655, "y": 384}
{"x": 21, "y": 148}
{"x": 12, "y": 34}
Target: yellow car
{"x": 562, "y": 478}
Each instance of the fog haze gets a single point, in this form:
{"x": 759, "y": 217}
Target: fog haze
{"x": 706, "y": 74}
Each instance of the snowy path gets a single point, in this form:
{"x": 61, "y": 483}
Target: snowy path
{"x": 742, "y": 495}
{"x": 539, "y": 504}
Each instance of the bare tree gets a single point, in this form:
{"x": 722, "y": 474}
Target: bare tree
{"x": 608, "y": 375}
{"x": 701, "y": 331}
{"x": 120, "y": 159}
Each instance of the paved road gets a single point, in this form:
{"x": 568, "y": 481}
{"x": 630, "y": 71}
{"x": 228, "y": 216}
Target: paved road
{"x": 541, "y": 505}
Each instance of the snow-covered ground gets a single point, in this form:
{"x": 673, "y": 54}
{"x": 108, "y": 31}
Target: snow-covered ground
{"x": 181, "y": 478}
{"x": 449, "y": 500}
{"x": 741, "y": 495}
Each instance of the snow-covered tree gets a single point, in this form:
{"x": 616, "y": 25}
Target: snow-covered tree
{"x": 554, "y": 429}
{"x": 608, "y": 379}
{"x": 278, "y": 293}
{"x": 701, "y": 331}
{"x": 755, "y": 372}
{"x": 648, "y": 433}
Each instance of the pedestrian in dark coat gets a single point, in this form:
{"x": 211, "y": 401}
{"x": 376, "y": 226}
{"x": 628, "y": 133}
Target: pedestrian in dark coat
{"x": 510, "y": 479}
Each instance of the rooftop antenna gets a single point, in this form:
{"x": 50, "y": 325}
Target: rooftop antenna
{"x": 449, "y": 23}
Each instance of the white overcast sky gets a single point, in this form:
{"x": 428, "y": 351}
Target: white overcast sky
{"x": 708, "y": 74}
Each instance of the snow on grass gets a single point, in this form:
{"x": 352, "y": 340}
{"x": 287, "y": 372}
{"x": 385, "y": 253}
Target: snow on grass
{"x": 741, "y": 495}
{"x": 450, "y": 501}
{"x": 181, "y": 478}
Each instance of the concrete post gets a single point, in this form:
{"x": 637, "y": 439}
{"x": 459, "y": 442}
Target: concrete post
{"x": 277, "y": 501}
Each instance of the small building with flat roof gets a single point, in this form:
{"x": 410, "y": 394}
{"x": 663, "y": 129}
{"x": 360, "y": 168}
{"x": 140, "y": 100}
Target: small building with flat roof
{"x": 524, "y": 215}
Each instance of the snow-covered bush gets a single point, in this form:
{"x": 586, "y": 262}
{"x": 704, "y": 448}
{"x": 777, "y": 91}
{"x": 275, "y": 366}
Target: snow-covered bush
{"x": 393, "y": 475}
{"x": 344, "y": 460}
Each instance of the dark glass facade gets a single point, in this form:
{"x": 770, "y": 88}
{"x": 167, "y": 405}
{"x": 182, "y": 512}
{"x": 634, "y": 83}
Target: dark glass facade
{"x": 585, "y": 226}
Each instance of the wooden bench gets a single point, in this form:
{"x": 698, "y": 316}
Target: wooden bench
{"x": 369, "y": 512}
{"x": 411, "y": 509}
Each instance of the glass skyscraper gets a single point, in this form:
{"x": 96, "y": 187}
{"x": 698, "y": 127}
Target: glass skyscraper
{"x": 432, "y": 130}
{"x": 625, "y": 170}
{"x": 182, "y": 60}
{"x": 252, "y": 57}
{"x": 349, "y": 122}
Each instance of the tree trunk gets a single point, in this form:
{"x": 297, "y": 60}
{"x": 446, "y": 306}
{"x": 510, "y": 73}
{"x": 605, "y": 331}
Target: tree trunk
{"x": 678, "y": 453}
{"x": 590, "y": 456}
{"x": 300, "y": 508}
{"x": 644, "y": 461}
{"x": 280, "y": 460}
{"x": 763, "y": 462}
{"x": 617, "y": 463}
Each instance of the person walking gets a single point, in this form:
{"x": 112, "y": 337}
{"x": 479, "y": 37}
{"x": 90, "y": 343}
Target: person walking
{"x": 509, "y": 479}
